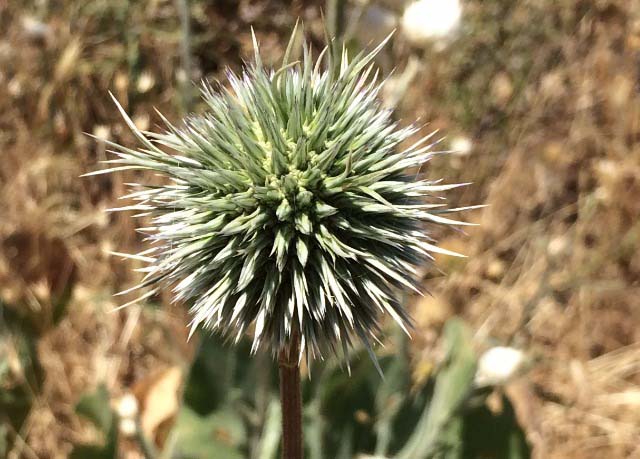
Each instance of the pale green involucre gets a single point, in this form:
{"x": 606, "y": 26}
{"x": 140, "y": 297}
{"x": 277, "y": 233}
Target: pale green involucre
{"x": 289, "y": 207}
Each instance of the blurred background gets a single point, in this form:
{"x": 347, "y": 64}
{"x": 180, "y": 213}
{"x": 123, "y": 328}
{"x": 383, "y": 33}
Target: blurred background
{"x": 530, "y": 347}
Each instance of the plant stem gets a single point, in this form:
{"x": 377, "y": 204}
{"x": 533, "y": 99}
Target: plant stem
{"x": 186, "y": 87}
{"x": 291, "y": 401}
{"x": 146, "y": 445}
{"x": 336, "y": 19}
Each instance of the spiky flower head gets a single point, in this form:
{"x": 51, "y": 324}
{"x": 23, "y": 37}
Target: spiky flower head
{"x": 289, "y": 209}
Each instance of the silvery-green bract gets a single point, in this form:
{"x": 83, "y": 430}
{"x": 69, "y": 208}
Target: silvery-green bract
{"x": 290, "y": 210}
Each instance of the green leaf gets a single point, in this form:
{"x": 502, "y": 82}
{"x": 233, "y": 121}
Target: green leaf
{"x": 218, "y": 435}
{"x": 4, "y": 442}
{"x": 18, "y": 389}
{"x": 271, "y": 431}
{"x": 453, "y": 385}
{"x": 494, "y": 436}
{"x": 95, "y": 407}
{"x": 341, "y": 403}
{"x": 92, "y": 452}
{"x": 391, "y": 395}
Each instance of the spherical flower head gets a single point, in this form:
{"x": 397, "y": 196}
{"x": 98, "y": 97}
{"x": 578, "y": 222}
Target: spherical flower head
{"x": 290, "y": 212}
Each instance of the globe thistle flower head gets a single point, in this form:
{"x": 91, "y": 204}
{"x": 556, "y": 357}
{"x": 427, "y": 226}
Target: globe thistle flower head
{"x": 290, "y": 212}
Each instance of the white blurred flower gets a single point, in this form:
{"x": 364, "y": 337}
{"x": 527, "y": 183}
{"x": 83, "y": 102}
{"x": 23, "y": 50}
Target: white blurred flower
{"x": 142, "y": 121}
{"x": 557, "y": 246}
{"x": 127, "y": 410}
{"x": 34, "y": 28}
{"x": 461, "y": 145}
{"x": 127, "y": 427}
{"x": 15, "y": 87}
{"x": 127, "y": 406}
{"x": 102, "y": 132}
{"x": 498, "y": 365}
{"x": 146, "y": 82}
{"x": 427, "y": 21}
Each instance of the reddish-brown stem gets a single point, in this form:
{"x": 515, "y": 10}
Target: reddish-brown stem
{"x": 291, "y": 401}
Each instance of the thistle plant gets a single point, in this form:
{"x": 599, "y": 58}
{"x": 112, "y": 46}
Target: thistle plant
{"x": 291, "y": 213}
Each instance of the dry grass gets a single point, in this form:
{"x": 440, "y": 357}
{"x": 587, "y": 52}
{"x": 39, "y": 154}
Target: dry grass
{"x": 57, "y": 65}
{"x": 546, "y": 90}
{"x": 554, "y": 266}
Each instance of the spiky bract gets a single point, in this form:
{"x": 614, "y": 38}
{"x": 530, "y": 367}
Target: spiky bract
{"x": 289, "y": 207}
